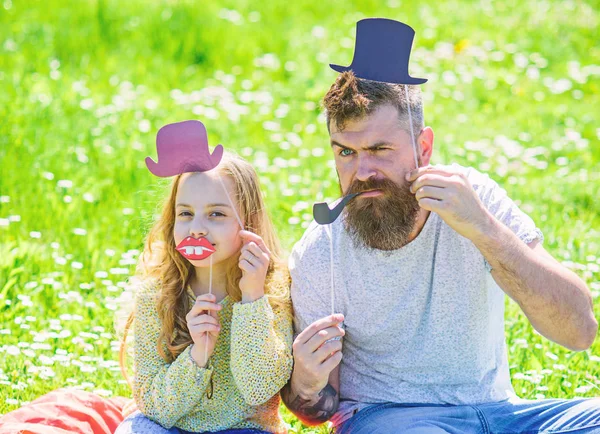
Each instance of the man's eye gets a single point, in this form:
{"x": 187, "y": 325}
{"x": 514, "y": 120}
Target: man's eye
{"x": 345, "y": 152}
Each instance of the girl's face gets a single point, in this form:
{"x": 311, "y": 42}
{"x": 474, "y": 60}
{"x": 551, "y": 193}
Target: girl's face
{"x": 202, "y": 210}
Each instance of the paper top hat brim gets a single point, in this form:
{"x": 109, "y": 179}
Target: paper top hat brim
{"x": 182, "y": 147}
{"x": 375, "y": 76}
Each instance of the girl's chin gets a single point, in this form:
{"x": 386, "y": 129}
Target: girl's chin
{"x": 202, "y": 263}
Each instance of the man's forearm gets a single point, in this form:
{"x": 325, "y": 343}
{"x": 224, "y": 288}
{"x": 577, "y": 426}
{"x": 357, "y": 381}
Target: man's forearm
{"x": 556, "y": 301}
{"x": 312, "y": 411}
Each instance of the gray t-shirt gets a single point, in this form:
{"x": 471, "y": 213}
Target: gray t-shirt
{"x": 424, "y": 323}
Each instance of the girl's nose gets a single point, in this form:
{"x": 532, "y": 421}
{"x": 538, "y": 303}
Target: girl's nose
{"x": 197, "y": 233}
{"x": 198, "y": 229}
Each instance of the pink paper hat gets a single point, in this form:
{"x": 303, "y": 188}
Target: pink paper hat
{"x": 183, "y": 147}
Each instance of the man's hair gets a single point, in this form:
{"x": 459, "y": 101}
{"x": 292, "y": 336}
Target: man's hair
{"x": 352, "y": 98}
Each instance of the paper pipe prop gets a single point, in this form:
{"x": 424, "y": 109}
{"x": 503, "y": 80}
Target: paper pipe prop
{"x": 324, "y": 216}
{"x": 182, "y": 147}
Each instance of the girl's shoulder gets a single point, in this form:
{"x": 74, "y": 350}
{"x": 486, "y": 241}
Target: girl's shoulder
{"x": 145, "y": 289}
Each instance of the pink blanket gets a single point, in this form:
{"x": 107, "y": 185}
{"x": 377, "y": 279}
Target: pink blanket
{"x": 65, "y": 411}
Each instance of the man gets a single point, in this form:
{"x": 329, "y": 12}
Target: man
{"x": 422, "y": 261}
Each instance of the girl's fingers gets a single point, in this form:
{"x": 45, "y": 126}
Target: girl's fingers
{"x": 248, "y": 256}
{"x": 200, "y": 307}
{"x": 251, "y": 236}
{"x": 257, "y": 252}
{"x": 207, "y": 297}
{"x": 203, "y": 319}
{"x": 246, "y": 266}
{"x": 204, "y": 328}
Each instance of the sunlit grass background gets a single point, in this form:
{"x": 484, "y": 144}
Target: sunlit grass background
{"x": 513, "y": 90}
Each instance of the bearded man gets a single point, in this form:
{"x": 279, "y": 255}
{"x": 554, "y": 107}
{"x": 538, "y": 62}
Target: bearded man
{"x": 423, "y": 259}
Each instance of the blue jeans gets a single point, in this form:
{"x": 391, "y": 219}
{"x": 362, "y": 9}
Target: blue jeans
{"x": 137, "y": 423}
{"x": 574, "y": 416}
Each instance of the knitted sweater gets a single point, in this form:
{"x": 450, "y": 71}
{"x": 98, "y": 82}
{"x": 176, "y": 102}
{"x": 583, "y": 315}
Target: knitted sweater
{"x": 251, "y": 362}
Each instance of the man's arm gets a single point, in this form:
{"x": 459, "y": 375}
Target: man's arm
{"x": 312, "y": 393}
{"x": 316, "y": 409}
{"x": 555, "y": 300}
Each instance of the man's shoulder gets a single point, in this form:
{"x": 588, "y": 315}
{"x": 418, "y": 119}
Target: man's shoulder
{"x": 313, "y": 241}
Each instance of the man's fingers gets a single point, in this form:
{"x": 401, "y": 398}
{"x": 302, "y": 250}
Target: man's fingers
{"x": 330, "y": 364}
{"x": 430, "y": 192}
{"x": 323, "y": 336}
{"x": 319, "y": 324}
{"x": 327, "y": 349}
{"x": 434, "y": 180}
{"x": 437, "y": 169}
{"x": 433, "y": 205}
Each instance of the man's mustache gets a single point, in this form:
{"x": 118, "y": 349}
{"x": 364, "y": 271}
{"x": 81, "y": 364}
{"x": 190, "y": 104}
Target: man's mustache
{"x": 372, "y": 184}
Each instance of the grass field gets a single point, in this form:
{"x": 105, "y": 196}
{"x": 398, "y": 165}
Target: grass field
{"x": 513, "y": 90}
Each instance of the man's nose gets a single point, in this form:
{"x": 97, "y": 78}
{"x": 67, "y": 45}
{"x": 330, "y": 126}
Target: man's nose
{"x": 365, "y": 169}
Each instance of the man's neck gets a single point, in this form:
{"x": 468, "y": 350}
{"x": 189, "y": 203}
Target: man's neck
{"x": 421, "y": 220}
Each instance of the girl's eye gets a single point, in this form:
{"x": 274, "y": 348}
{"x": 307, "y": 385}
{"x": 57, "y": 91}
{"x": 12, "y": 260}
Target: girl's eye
{"x": 217, "y": 214}
{"x": 184, "y": 212}
{"x": 345, "y": 152}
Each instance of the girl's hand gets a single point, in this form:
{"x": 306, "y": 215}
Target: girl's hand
{"x": 254, "y": 263}
{"x": 203, "y": 323}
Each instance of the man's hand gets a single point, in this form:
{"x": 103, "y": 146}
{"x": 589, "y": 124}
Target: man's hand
{"x": 315, "y": 355}
{"x": 449, "y": 193}
{"x": 311, "y": 394}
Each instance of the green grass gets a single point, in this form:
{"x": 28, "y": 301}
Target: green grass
{"x": 513, "y": 91}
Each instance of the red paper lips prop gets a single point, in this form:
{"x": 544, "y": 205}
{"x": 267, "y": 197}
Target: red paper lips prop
{"x": 195, "y": 249}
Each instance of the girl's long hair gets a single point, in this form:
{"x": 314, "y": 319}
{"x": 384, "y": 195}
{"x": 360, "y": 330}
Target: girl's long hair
{"x": 161, "y": 263}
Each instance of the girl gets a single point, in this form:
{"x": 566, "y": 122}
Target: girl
{"x": 213, "y": 319}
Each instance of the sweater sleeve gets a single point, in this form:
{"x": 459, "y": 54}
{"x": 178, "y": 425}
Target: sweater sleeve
{"x": 261, "y": 350}
{"x": 162, "y": 390}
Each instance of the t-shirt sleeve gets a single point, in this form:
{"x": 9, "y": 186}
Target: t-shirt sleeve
{"x": 495, "y": 199}
{"x": 310, "y": 286}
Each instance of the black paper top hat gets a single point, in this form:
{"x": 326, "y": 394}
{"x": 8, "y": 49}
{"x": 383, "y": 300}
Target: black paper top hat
{"x": 381, "y": 52}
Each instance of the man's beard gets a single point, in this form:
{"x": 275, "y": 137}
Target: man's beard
{"x": 383, "y": 222}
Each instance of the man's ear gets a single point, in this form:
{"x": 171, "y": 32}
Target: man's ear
{"x": 425, "y": 141}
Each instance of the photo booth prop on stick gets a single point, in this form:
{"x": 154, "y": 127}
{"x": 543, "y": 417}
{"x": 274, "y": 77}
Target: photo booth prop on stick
{"x": 182, "y": 147}
{"x": 381, "y": 53}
